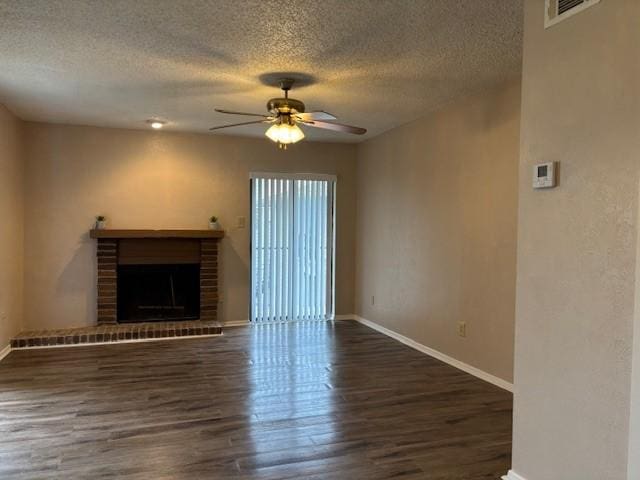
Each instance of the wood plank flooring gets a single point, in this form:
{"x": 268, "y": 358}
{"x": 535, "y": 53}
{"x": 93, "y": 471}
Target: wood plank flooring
{"x": 303, "y": 401}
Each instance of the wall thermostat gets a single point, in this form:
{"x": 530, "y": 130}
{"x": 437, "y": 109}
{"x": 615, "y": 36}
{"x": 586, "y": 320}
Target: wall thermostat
{"x": 544, "y": 175}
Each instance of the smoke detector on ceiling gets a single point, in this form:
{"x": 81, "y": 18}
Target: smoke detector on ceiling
{"x": 556, "y": 11}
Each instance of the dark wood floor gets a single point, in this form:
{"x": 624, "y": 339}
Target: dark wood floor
{"x": 312, "y": 401}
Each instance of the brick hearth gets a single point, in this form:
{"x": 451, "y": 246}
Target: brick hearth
{"x": 115, "y": 333}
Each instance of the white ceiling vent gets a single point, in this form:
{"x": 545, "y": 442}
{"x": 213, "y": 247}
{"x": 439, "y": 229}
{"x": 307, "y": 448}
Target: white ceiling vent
{"x": 557, "y": 10}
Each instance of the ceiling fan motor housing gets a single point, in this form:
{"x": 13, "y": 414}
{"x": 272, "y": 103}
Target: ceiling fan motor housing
{"x": 285, "y": 105}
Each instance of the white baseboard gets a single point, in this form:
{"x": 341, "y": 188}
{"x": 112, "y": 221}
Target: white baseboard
{"x": 5, "y": 351}
{"x": 476, "y": 372}
{"x": 513, "y": 476}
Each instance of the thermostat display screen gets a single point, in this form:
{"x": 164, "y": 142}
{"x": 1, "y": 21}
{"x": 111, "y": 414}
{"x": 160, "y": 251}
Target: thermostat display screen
{"x": 544, "y": 175}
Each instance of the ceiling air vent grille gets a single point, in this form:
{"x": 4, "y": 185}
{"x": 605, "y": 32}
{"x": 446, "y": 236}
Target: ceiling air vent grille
{"x": 557, "y": 10}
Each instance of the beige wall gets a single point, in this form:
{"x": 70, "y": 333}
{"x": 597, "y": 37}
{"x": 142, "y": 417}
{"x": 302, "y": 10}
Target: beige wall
{"x": 577, "y": 244}
{"x": 147, "y": 179}
{"x": 436, "y": 239}
{"x": 11, "y": 232}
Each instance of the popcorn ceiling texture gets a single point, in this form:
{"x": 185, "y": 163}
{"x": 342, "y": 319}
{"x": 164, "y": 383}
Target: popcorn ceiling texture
{"x": 377, "y": 64}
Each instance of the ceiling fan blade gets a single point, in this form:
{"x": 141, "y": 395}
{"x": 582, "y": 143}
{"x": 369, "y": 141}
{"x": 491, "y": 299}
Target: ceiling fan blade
{"x": 318, "y": 115}
{"x": 220, "y": 110}
{"x": 240, "y": 124}
{"x": 338, "y": 127}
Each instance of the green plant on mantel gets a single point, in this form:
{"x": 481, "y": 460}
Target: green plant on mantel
{"x": 213, "y": 219}
{"x": 101, "y": 221}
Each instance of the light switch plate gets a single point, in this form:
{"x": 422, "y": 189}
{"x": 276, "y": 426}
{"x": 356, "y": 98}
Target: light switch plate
{"x": 242, "y": 222}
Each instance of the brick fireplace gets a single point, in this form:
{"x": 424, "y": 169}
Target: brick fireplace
{"x": 174, "y": 251}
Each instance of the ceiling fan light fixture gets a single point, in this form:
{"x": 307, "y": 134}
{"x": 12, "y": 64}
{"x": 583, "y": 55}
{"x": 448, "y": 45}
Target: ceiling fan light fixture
{"x": 285, "y": 133}
{"x": 156, "y": 124}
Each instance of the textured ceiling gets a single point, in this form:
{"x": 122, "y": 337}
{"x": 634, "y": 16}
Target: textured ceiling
{"x": 376, "y": 63}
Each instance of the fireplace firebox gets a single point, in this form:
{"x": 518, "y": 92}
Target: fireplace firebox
{"x": 149, "y": 293}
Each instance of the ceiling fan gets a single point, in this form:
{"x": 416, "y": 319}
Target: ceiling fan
{"x": 285, "y": 115}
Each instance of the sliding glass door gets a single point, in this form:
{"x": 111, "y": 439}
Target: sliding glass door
{"x": 292, "y": 239}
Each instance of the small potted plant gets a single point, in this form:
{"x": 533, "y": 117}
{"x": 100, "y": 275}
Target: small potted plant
{"x": 101, "y": 222}
{"x": 213, "y": 223}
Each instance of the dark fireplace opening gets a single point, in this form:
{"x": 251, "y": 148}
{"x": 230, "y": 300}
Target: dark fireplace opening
{"x": 148, "y": 293}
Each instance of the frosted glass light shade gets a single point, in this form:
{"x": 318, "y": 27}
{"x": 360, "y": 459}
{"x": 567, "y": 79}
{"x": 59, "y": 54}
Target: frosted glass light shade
{"x": 285, "y": 133}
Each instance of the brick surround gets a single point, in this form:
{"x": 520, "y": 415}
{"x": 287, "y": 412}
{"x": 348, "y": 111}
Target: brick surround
{"x": 209, "y": 279}
{"x": 108, "y": 259}
{"x": 107, "y": 281}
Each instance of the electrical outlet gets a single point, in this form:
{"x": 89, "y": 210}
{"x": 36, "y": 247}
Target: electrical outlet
{"x": 462, "y": 329}
{"x": 373, "y": 300}
{"x": 242, "y": 222}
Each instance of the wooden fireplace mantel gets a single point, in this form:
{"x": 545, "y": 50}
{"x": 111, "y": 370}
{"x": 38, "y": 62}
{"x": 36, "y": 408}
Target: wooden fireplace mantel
{"x": 118, "y": 234}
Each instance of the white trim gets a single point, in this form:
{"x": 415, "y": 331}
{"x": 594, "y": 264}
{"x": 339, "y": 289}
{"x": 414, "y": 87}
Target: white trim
{"x": 294, "y": 176}
{"x": 349, "y": 316}
{"x": 476, "y": 372}
{"x": 5, "y": 351}
{"x": 236, "y": 323}
{"x": 118, "y": 342}
{"x": 513, "y": 476}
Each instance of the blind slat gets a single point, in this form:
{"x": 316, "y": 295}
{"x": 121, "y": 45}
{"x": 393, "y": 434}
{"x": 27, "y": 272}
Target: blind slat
{"x": 260, "y": 267}
{"x": 319, "y": 278}
{"x": 296, "y": 239}
{"x": 255, "y": 218}
{"x": 274, "y": 250}
{"x": 313, "y": 263}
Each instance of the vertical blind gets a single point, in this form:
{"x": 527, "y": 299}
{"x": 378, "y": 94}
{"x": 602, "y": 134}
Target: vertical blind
{"x": 292, "y": 219}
